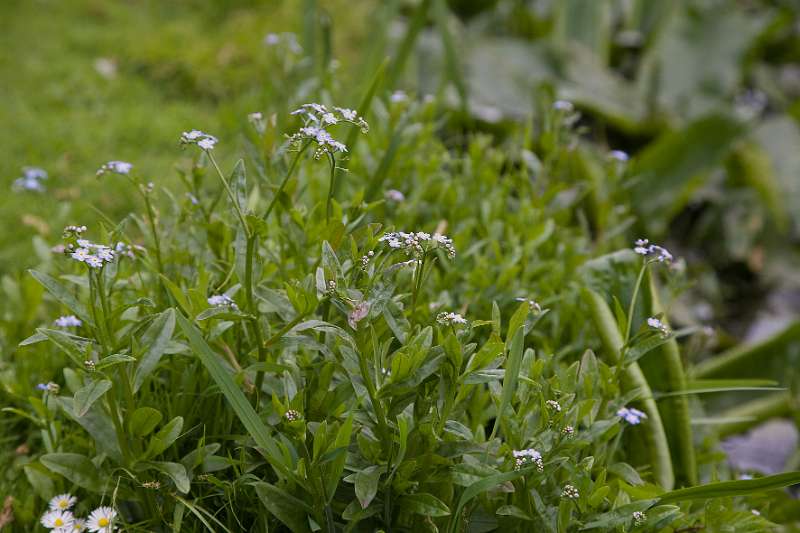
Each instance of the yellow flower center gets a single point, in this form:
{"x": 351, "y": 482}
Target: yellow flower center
{"x": 58, "y": 522}
{"x": 63, "y": 504}
{"x": 103, "y": 522}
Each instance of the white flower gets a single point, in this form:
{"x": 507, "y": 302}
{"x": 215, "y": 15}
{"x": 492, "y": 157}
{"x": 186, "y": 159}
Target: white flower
{"x": 67, "y": 321}
{"x": 329, "y": 118}
{"x": 554, "y": 405}
{"x": 58, "y": 519}
{"x": 78, "y": 526}
{"x": 755, "y": 512}
{"x": 450, "y": 319}
{"x": 347, "y": 114}
{"x": 207, "y": 143}
{"x": 105, "y": 253}
{"x": 221, "y": 300}
{"x": 200, "y": 138}
{"x": 639, "y": 518}
{"x": 656, "y": 324}
{"x": 630, "y": 415}
{"x": 63, "y": 502}
{"x": 316, "y": 116}
{"x": 81, "y": 254}
{"x": 394, "y": 195}
{"x": 563, "y": 105}
{"x": 102, "y": 520}
{"x": 117, "y": 167}
{"x": 94, "y": 261}
{"x": 618, "y": 155}
{"x": 271, "y": 39}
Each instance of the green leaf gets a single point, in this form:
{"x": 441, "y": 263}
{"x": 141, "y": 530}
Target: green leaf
{"x": 154, "y": 340}
{"x": 236, "y": 398}
{"x": 165, "y": 437}
{"x": 424, "y": 504}
{"x": 366, "y": 482}
{"x": 144, "y": 420}
{"x": 513, "y": 364}
{"x": 63, "y": 295}
{"x": 76, "y": 468}
{"x": 285, "y": 507}
{"x": 175, "y": 471}
{"x": 334, "y": 470}
{"x": 238, "y": 182}
{"x": 113, "y": 359}
{"x": 482, "y": 486}
{"x": 88, "y": 394}
{"x": 674, "y": 165}
{"x": 42, "y": 483}
{"x": 727, "y": 489}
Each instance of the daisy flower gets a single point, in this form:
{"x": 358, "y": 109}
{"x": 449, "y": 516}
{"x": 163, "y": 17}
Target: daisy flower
{"x": 101, "y": 520}
{"x": 62, "y": 502}
{"x": 60, "y": 520}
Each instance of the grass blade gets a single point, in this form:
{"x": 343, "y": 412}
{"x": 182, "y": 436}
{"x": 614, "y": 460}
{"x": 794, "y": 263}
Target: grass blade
{"x": 726, "y": 489}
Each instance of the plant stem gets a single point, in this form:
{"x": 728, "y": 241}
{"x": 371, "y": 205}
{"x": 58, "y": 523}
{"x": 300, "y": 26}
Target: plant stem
{"x": 156, "y": 241}
{"x": 252, "y": 308}
{"x": 235, "y": 203}
{"x": 632, "y": 305}
{"x": 285, "y": 179}
{"x": 329, "y": 204}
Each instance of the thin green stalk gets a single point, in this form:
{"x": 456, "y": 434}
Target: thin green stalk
{"x": 329, "y": 204}
{"x": 632, "y": 305}
{"x": 252, "y": 307}
{"x": 285, "y": 179}
{"x": 235, "y": 203}
{"x": 156, "y": 241}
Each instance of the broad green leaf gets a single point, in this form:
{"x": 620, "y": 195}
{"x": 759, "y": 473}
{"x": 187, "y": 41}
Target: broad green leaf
{"x": 76, "y": 468}
{"x": 42, "y": 483}
{"x": 291, "y": 511}
{"x": 513, "y": 363}
{"x": 88, "y": 394}
{"x": 113, "y": 359}
{"x": 164, "y": 438}
{"x": 63, "y": 295}
{"x": 672, "y": 167}
{"x": 424, "y": 504}
{"x": 366, "y": 484}
{"x": 154, "y": 341}
{"x": 144, "y": 420}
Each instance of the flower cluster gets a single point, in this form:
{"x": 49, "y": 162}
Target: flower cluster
{"x": 658, "y": 253}
{"x": 94, "y": 255}
{"x": 523, "y": 458}
{"x": 222, "y": 300}
{"x": 60, "y": 518}
{"x": 31, "y": 180}
{"x": 419, "y": 243}
{"x": 553, "y": 405}
{"x": 570, "y": 493}
{"x": 200, "y": 138}
{"x": 568, "y": 431}
{"x": 68, "y": 321}
{"x": 658, "y": 325}
{"x": 639, "y": 518}
{"x": 366, "y": 258}
{"x": 317, "y": 117}
{"x": 116, "y": 167}
{"x": 292, "y": 415}
{"x": 631, "y": 415}
{"x": 450, "y": 319}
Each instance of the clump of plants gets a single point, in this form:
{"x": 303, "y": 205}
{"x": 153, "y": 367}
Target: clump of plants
{"x": 432, "y": 342}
